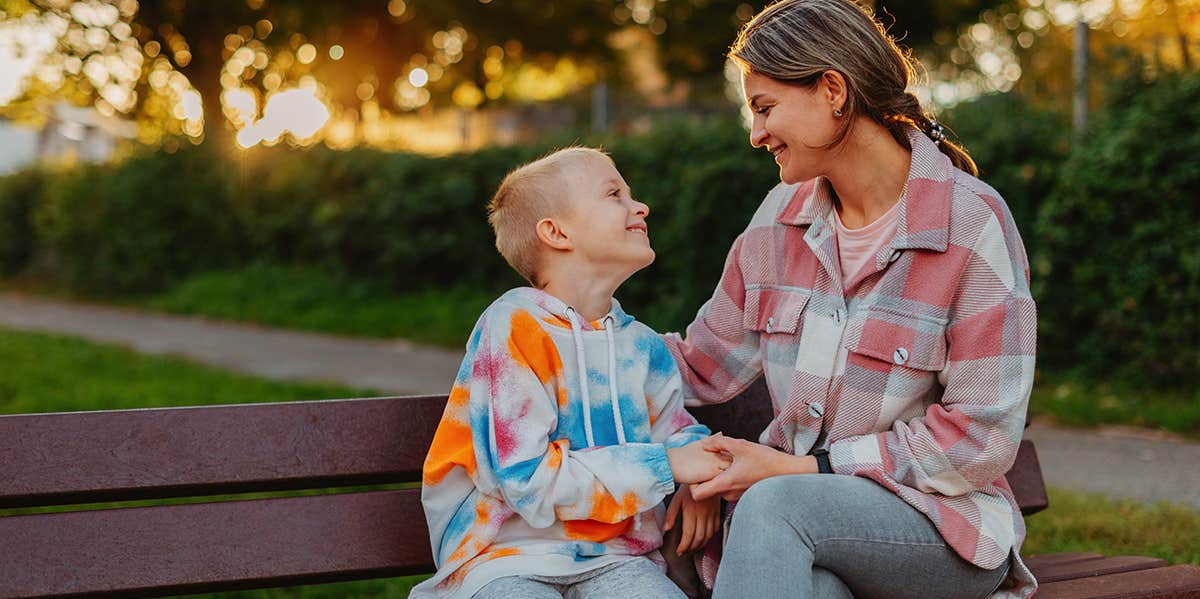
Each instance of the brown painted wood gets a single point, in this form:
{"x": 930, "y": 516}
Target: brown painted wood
{"x": 1173, "y": 582}
{"x": 177, "y": 549}
{"x": 1099, "y": 566}
{"x": 1053, "y": 559}
{"x": 53, "y": 459}
{"x": 1025, "y": 478}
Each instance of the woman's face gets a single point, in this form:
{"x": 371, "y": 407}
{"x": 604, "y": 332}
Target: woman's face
{"x": 793, "y": 123}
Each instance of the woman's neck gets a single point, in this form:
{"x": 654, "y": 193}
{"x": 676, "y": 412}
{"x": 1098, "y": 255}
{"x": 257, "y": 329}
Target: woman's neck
{"x": 870, "y": 175}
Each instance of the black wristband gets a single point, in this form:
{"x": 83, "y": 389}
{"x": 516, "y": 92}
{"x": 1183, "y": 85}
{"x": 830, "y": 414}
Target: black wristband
{"x": 823, "y": 464}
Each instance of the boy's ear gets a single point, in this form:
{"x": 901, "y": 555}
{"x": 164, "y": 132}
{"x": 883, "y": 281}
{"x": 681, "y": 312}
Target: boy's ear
{"x": 551, "y": 233}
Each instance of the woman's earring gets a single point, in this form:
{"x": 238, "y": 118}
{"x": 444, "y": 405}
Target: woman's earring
{"x": 837, "y": 112}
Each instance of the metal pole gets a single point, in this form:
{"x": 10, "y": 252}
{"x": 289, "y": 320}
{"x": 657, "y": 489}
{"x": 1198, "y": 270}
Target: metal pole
{"x": 1081, "y": 75}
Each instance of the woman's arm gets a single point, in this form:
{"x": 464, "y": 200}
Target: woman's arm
{"x": 719, "y": 358}
{"x": 752, "y": 462}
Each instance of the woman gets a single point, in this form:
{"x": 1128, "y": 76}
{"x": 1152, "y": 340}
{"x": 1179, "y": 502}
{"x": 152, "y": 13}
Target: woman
{"x": 882, "y": 290}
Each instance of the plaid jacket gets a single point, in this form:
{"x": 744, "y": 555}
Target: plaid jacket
{"x": 917, "y": 377}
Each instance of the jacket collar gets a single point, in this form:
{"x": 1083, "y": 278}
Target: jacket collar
{"x": 924, "y": 220}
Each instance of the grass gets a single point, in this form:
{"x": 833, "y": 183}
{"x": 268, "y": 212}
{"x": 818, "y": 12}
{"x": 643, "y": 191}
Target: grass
{"x": 1073, "y": 400}
{"x": 48, "y": 373}
{"x": 306, "y": 298}
{"x": 1093, "y": 523}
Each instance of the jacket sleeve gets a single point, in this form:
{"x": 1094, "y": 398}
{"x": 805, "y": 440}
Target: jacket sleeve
{"x": 517, "y": 389}
{"x": 719, "y": 357}
{"x": 970, "y": 438}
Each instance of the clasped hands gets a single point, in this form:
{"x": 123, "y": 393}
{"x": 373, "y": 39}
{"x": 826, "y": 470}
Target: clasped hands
{"x": 720, "y": 467}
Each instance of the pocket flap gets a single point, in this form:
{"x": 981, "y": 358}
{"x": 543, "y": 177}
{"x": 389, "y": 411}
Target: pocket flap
{"x": 903, "y": 339}
{"x": 774, "y": 309}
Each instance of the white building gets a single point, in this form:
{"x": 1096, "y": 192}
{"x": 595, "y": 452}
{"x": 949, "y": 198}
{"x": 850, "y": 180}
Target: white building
{"x": 70, "y": 133}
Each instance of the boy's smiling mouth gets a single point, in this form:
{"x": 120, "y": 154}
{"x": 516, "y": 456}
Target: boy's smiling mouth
{"x": 638, "y": 229}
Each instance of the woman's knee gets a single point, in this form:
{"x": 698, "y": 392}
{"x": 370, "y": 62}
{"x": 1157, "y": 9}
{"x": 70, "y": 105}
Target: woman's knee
{"x": 782, "y": 494}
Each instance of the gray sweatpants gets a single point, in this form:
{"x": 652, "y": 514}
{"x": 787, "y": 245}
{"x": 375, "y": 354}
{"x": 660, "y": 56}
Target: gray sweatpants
{"x": 833, "y": 536}
{"x": 638, "y": 578}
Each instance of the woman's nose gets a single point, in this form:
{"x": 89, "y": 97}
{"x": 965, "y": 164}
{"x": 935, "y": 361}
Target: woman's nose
{"x": 758, "y": 134}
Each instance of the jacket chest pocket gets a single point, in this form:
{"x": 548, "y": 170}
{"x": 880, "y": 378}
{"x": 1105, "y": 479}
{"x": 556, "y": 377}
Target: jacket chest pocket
{"x": 774, "y": 310}
{"x": 917, "y": 342}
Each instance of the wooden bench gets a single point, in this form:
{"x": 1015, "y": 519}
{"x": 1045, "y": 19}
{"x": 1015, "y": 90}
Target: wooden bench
{"x": 220, "y": 544}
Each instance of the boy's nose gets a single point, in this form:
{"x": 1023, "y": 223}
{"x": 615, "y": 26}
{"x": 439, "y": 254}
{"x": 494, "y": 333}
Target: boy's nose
{"x": 640, "y": 208}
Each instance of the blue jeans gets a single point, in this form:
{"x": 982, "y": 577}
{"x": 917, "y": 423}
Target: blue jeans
{"x": 833, "y": 536}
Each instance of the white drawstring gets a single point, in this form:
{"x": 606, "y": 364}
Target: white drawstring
{"x": 609, "y": 322}
{"x": 583, "y": 378}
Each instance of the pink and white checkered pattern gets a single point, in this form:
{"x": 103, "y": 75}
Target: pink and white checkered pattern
{"x": 917, "y": 377}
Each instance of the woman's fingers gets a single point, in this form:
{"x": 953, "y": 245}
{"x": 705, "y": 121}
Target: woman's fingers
{"x": 715, "y": 486}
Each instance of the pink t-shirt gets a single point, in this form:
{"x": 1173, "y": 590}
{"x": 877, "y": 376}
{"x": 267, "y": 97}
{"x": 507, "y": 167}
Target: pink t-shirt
{"x": 857, "y": 247}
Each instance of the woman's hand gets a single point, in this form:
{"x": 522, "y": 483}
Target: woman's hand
{"x": 752, "y": 462}
{"x": 695, "y": 462}
{"x": 701, "y": 519}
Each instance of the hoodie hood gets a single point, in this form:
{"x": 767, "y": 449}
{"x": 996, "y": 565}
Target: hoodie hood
{"x": 556, "y": 312}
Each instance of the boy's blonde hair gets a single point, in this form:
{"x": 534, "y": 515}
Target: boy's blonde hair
{"x": 528, "y": 194}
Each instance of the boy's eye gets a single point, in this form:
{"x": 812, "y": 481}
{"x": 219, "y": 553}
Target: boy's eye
{"x": 614, "y": 193}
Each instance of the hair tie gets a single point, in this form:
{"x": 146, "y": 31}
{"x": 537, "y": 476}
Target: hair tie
{"x": 936, "y": 132}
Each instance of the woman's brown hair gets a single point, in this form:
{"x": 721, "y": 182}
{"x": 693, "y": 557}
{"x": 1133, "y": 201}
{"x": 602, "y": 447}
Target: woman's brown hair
{"x": 795, "y": 41}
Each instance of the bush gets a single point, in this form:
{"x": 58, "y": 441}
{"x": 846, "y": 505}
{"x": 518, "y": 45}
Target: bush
{"x": 138, "y": 226}
{"x": 1019, "y": 150}
{"x": 18, "y": 194}
{"x": 1118, "y": 280}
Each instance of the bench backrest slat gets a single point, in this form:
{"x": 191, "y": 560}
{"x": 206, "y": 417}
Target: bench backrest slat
{"x": 55, "y": 459}
{"x": 177, "y": 549}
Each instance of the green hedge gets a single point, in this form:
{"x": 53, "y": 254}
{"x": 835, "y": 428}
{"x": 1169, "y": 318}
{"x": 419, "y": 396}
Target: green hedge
{"x": 1118, "y": 280}
{"x": 1117, "y": 219}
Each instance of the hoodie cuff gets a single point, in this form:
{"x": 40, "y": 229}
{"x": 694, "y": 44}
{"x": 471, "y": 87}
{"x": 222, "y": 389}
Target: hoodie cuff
{"x": 659, "y": 466}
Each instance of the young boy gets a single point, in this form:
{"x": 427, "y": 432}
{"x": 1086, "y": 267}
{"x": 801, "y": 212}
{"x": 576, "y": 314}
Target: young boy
{"x": 565, "y": 429}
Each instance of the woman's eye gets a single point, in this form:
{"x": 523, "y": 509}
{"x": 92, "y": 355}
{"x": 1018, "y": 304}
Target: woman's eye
{"x": 763, "y": 110}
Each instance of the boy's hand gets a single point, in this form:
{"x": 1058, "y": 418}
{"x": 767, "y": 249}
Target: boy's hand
{"x": 701, "y": 519}
{"x": 695, "y": 463}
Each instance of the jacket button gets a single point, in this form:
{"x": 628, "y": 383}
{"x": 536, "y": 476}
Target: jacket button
{"x": 901, "y": 356}
{"x": 815, "y": 410}
{"x": 895, "y": 256}
{"x": 770, "y": 324}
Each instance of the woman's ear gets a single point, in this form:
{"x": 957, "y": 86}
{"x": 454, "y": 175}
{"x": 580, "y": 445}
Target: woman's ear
{"x": 551, "y": 233}
{"x": 833, "y": 85}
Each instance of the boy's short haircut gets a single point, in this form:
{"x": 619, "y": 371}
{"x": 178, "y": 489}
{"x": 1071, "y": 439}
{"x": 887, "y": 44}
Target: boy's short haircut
{"x": 528, "y": 194}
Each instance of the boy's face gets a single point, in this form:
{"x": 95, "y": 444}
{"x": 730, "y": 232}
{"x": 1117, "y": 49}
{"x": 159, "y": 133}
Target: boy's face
{"x": 606, "y": 225}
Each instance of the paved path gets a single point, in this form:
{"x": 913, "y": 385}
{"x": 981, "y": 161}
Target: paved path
{"x": 1127, "y": 463}
{"x": 394, "y": 367}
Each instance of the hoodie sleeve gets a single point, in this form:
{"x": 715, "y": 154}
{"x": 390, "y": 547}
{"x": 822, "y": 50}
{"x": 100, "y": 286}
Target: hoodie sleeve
{"x": 517, "y": 389}
{"x": 670, "y": 423}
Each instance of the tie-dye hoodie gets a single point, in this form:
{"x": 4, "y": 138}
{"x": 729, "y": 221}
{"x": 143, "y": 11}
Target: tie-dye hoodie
{"x": 530, "y": 472}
